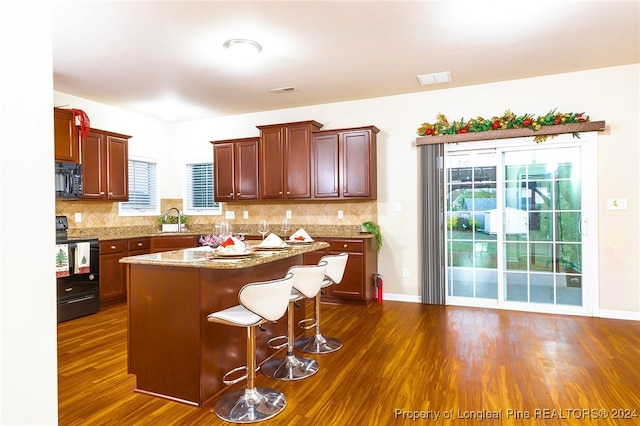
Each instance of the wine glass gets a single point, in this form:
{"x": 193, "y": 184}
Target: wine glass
{"x": 225, "y": 229}
{"x": 263, "y": 228}
{"x": 285, "y": 227}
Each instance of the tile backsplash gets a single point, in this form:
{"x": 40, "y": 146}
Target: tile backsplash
{"x": 105, "y": 214}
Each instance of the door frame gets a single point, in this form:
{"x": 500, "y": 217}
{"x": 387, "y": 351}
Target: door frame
{"x": 588, "y": 143}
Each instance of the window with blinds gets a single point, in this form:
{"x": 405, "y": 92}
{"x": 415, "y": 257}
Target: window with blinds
{"x": 199, "y": 192}
{"x": 143, "y": 194}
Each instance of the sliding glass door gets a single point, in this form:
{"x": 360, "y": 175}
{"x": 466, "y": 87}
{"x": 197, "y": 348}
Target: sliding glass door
{"x": 516, "y": 222}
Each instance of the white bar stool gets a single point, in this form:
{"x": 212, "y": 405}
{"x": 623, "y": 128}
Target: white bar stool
{"x": 307, "y": 282}
{"x": 260, "y": 302}
{"x": 318, "y": 344}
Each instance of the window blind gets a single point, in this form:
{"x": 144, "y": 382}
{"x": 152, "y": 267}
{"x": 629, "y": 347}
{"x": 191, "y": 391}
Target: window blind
{"x": 200, "y": 196}
{"x": 142, "y": 186}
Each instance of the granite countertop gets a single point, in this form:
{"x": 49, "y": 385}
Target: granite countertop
{"x": 125, "y": 232}
{"x": 205, "y": 257}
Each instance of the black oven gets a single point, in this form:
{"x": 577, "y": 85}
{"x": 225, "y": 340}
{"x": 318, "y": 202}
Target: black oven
{"x": 78, "y": 293}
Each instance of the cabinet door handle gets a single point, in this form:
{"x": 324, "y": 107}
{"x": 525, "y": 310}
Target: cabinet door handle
{"x": 238, "y": 194}
{"x": 231, "y": 194}
{"x": 113, "y": 247}
{"x": 345, "y": 246}
{"x": 280, "y": 193}
{"x": 101, "y": 192}
{"x": 139, "y": 244}
{"x": 288, "y": 192}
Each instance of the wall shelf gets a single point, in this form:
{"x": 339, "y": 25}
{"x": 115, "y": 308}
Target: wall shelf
{"x": 557, "y": 129}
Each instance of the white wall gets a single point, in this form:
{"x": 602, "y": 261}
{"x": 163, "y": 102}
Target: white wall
{"x": 28, "y": 361}
{"x": 605, "y": 94}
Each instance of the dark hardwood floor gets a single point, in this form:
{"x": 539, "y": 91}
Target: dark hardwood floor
{"x": 399, "y": 361}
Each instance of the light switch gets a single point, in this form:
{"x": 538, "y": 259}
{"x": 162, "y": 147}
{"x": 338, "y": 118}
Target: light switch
{"x": 78, "y": 217}
{"x": 245, "y": 214}
{"x": 617, "y": 204}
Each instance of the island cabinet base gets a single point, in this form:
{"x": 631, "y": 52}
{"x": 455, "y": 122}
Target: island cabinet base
{"x": 173, "y": 351}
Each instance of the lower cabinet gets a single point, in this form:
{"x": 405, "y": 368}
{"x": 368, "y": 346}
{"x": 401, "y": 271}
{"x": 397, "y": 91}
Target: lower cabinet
{"x": 358, "y": 284}
{"x": 173, "y": 242}
{"x": 113, "y": 285}
{"x": 112, "y": 273}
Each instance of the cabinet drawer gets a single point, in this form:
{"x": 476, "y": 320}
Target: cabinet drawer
{"x": 113, "y": 246}
{"x": 346, "y": 245}
{"x": 139, "y": 244}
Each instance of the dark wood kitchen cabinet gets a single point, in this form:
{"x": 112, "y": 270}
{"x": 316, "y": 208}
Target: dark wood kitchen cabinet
{"x": 105, "y": 166}
{"x": 284, "y": 160}
{"x": 344, "y": 164}
{"x": 137, "y": 246}
{"x": 358, "y": 284}
{"x": 112, "y": 273}
{"x": 113, "y": 287}
{"x": 173, "y": 242}
{"x": 67, "y": 145}
{"x": 235, "y": 165}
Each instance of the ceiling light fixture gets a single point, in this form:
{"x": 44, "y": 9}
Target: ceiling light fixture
{"x": 242, "y": 46}
{"x": 435, "y": 78}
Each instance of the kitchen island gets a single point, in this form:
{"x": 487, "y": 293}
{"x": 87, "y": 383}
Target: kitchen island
{"x": 173, "y": 351}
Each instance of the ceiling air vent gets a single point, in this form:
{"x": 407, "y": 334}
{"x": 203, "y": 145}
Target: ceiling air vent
{"x": 283, "y": 89}
{"x": 435, "y": 78}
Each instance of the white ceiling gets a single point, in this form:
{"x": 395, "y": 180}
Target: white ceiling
{"x": 165, "y": 58}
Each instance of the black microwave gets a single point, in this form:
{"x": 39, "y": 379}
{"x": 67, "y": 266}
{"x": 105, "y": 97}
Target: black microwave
{"x": 68, "y": 181}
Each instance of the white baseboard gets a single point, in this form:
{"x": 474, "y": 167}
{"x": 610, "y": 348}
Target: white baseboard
{"x": 400, "y": 297}
{"x": 602, "y": 313}
{"x": 624, "y": 315}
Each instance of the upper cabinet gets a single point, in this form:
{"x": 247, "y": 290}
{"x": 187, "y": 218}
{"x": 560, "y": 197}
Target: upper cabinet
{"x": 344, "y": 164}
{"x": 285, "y": 165}
{"x": 297, "y": 162}
{"x": 235, "y": 164}
{"x": 67, "y": 148}
{"x": 105, "y": 166}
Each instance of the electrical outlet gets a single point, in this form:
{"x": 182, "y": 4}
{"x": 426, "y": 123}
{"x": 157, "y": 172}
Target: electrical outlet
{"x": 288, "y": 214}
{"x": 78, "y": 217}
{"x": 245, "y": 214}
{"x": 340, "y": 214}
{"x": 405, "y": 272}
{"x": 230, "y": 214}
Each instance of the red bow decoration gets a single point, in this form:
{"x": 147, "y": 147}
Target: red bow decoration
{"x": 85, "y": 124}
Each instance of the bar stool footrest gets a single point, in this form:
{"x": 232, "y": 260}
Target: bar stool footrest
{"x": 273, "y": 345}
{"x": 227, "y": 381}
{"x": 307, "y": 323}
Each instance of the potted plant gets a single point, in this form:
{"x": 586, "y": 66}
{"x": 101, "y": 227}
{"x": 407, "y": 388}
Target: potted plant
{"x": 375, "y": 230}
{"x": 170, "y": 223}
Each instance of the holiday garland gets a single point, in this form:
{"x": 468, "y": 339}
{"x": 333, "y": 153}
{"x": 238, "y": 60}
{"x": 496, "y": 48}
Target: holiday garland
{"x": 507, "y": 121}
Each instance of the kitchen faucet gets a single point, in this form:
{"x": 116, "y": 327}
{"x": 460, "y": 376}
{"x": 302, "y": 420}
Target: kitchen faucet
{"x": 166, "y": 215}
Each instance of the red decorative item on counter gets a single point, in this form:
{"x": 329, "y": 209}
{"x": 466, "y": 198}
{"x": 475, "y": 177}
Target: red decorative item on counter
{"x": 299, "y": 238}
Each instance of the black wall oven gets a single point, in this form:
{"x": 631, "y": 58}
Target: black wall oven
{"x": 78, "y": 294}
